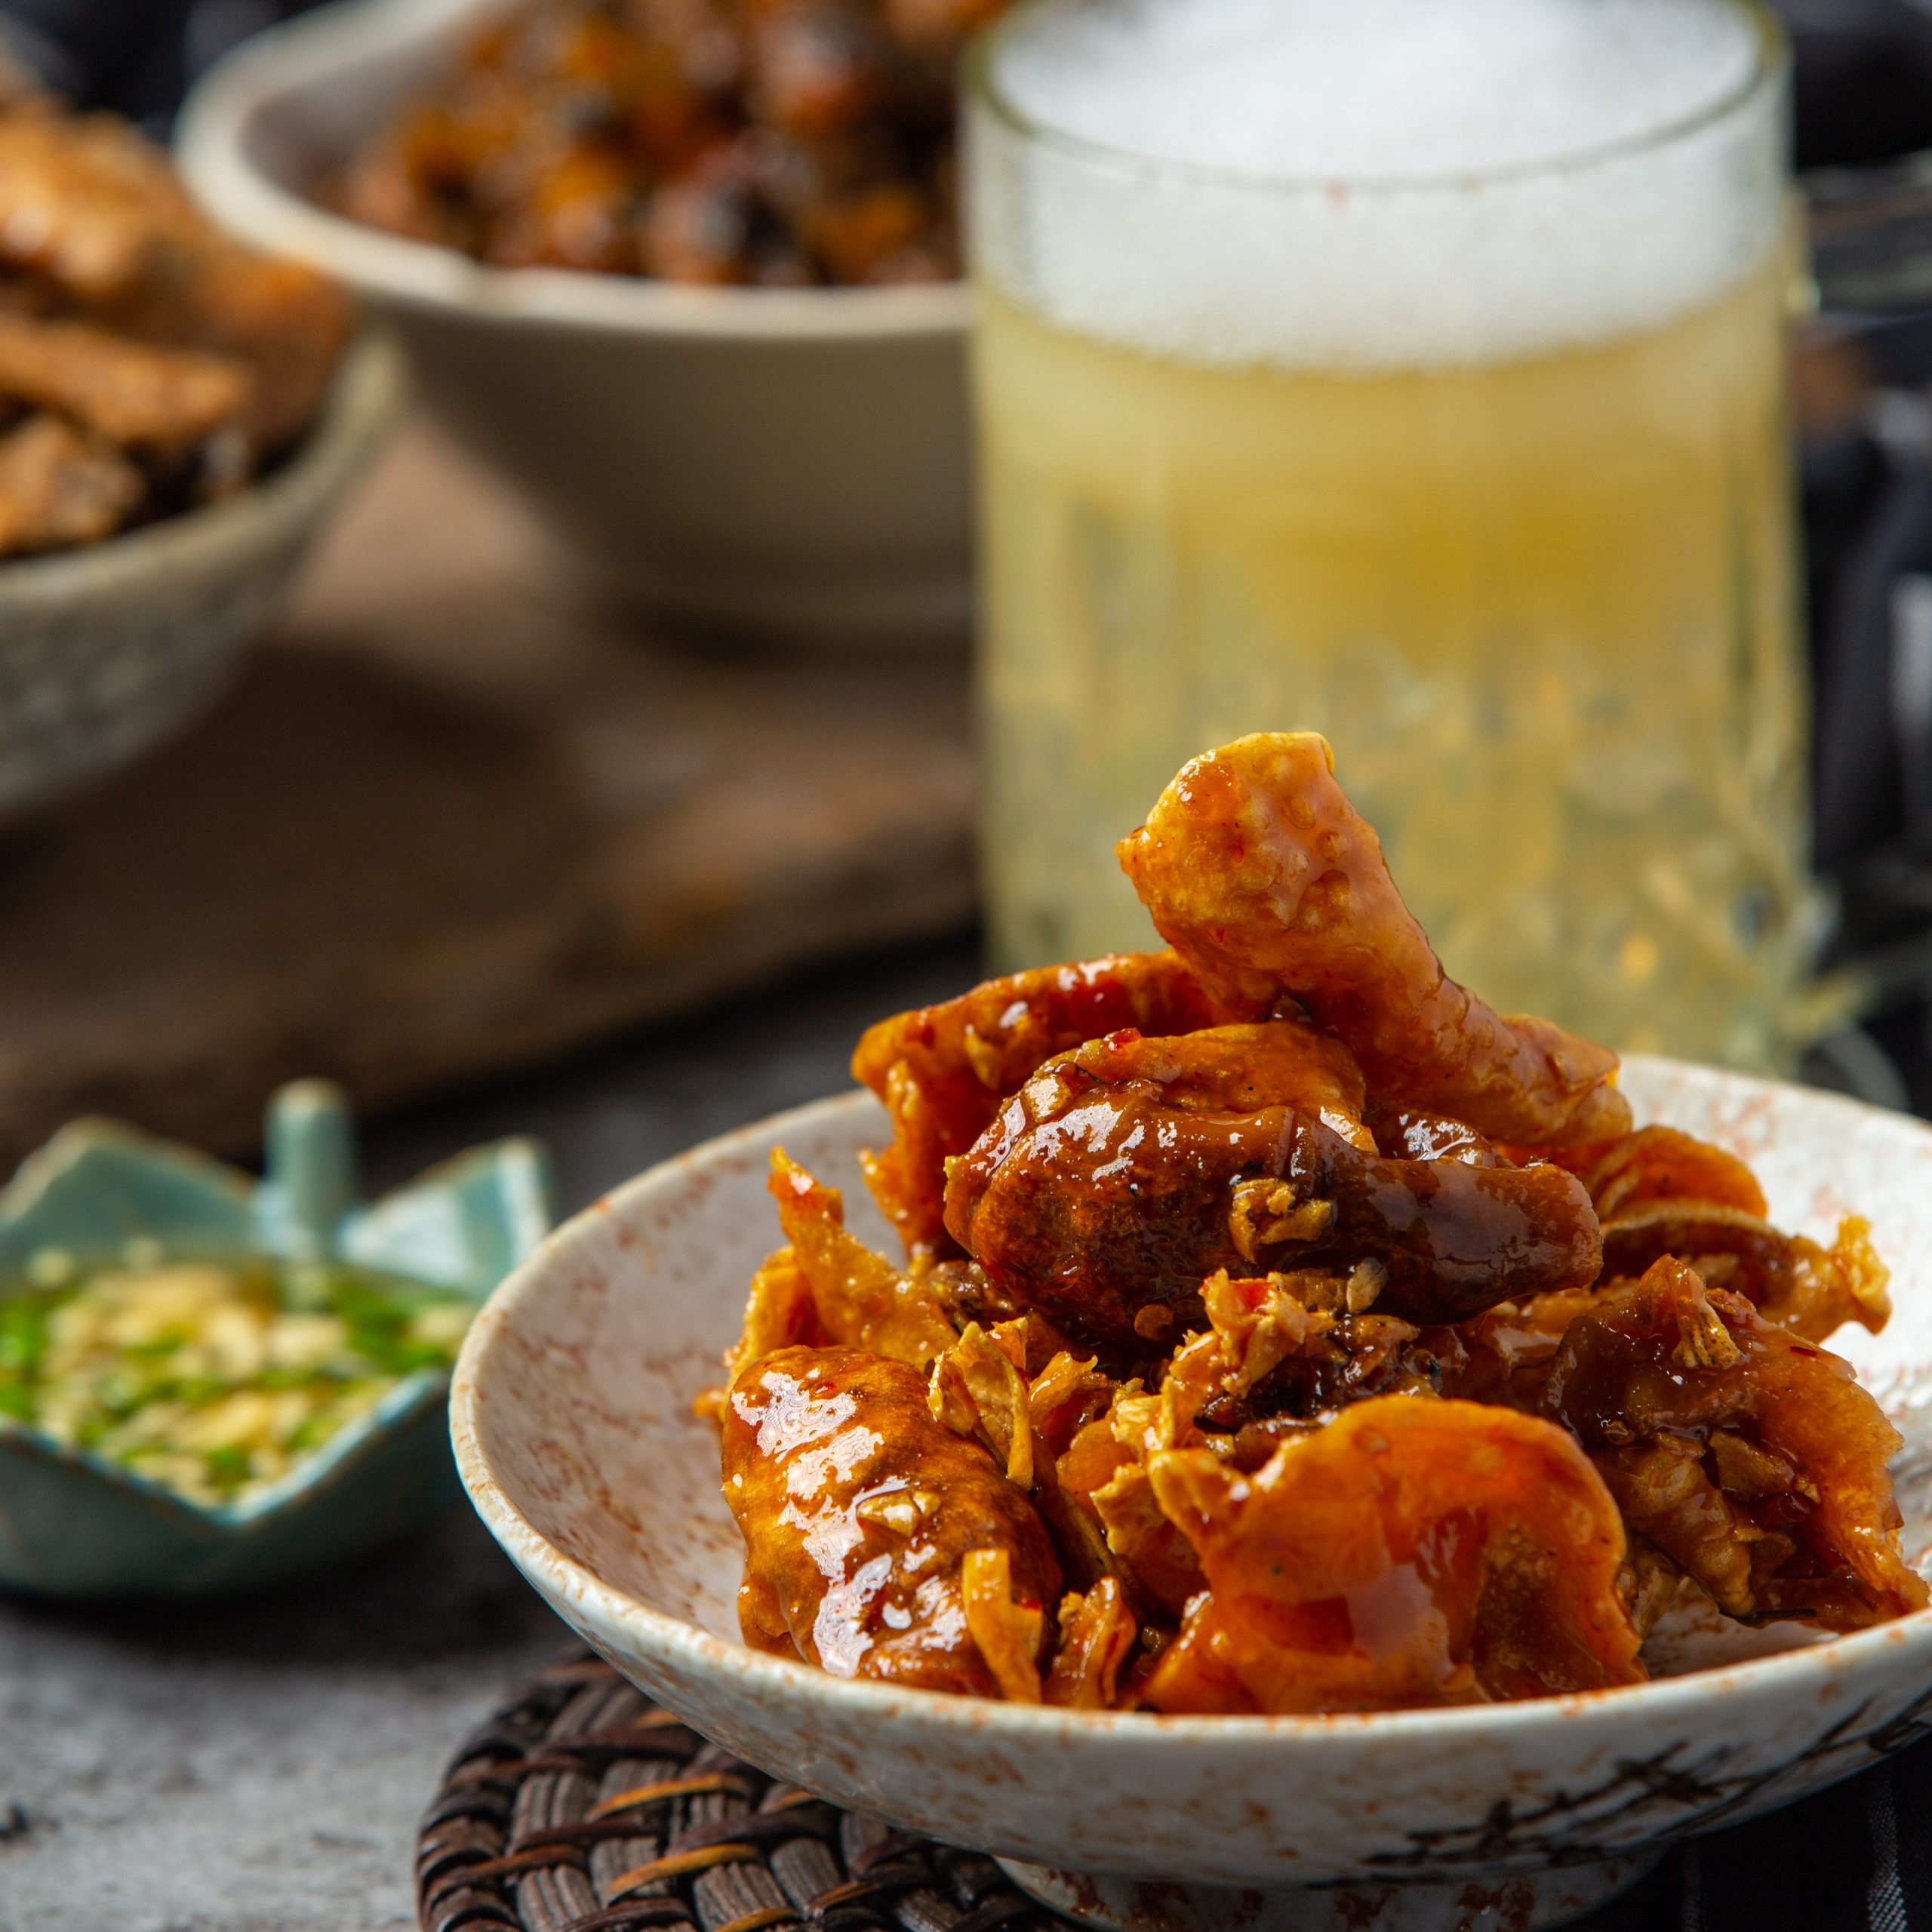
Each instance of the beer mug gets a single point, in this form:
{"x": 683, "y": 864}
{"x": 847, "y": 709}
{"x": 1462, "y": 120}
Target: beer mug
{"x": 1411, "y": 371}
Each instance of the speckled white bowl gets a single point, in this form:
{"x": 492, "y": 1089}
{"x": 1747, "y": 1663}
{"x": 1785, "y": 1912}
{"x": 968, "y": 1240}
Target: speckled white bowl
{"x": 573, "y": 1433}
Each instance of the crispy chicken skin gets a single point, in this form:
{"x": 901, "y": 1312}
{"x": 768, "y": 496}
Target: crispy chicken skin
{"x": 860, "y": 1298}
{"x": 1412, "y": 1552}
{"x": 1259, "y": 872}
{"x": 1096, "y": 1203}
{"x": 1810, "y": 1290}
{"x": 860, "y": 1514}
{"x": 943, "y": 1070}
{"x": 1751, "y": 1458}
{"x": 1659, "y": 1192}
{"x": 1239, "y": 1070}
{"x": 1655, "y": 1165}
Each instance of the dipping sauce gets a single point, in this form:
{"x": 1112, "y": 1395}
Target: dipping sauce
{"x": 215, "y": 1379}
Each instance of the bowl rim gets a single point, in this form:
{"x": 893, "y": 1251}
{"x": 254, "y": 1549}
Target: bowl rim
{"x": 212, "y": 152}
{"x": 358, "y": 409}
{"x": 684, "y": 1646}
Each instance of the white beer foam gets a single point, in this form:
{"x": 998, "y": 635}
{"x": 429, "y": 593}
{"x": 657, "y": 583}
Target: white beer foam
{"x": 1376, "y": 184}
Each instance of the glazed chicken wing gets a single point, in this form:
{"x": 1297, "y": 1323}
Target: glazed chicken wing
{"x": 878, "y": 1543}
{"x": 1260, "y": 873}
{"x": 1751, "y": 1458}
{"x": 1106, "y": 1206}
{"x": 1412, "y": 1552}
{"x": 943, "y": 1070}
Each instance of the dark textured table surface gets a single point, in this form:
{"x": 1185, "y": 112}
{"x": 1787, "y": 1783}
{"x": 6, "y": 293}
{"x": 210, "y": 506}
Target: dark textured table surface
{"x": 258, "y": 1765}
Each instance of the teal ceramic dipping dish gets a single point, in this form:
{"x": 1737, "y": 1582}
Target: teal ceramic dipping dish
{"x": 76, "y": 1524}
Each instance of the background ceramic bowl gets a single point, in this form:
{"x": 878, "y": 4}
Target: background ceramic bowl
{"x": 571, "y": 1411}
{"x": 106, "y": 650}
{"x": 75, "y": 1524}
{"x": 786, "y": 463}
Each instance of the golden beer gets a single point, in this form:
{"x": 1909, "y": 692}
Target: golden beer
{"x": 1530, "y": 570}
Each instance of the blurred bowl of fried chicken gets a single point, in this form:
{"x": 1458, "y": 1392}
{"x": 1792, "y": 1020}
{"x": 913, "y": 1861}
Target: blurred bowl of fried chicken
{"x": 1251, "y": 1415}
{"x": 178, "y": 414}
{"x": 685, "y": 270}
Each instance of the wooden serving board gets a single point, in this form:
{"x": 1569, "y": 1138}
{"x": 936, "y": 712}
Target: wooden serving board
{"x": 454, "y": 819}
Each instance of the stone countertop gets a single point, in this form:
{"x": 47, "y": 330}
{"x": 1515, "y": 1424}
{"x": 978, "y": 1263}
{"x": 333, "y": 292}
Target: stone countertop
{"x": 258, "y": 1764}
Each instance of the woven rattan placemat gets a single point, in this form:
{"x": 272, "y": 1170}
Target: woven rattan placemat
{"x": 580, "y": 1807}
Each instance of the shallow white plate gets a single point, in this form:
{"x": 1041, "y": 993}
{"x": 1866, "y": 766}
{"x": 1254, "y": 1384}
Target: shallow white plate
{"x": 571, "y": 1414}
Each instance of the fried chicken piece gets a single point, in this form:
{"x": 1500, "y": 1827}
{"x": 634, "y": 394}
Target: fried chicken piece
{"x": 859, "y": 1298}
{"x": 58, "y": 487}
{"x": 165, "y": 400}
{"x": 1260, "y": 872}
{"x": 92, "y": 208}
{"x": 1751, "y": 1458}
{"x": 942, "y": 1071}
{"x": 1659, "y": 1191}
{"x": 1411, "y": 1553}
{"x": 88, "y": 204}
{"x": 1812, "y": 1291}
{"x": 761, "y": 142}
{"x": 1105, "y": 1207}
{"x": 1404, "y": 1134}
{"x": 1654, "y": 1165}
{"x": 286, "y": 324}
{"x": 878, "y": 1543}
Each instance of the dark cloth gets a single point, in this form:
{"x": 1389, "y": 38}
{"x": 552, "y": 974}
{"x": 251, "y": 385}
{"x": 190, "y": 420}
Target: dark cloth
{"x": 1856, "y": 1858}
{"x": 136, "y": 57}
{"x": 130, "y": 55}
